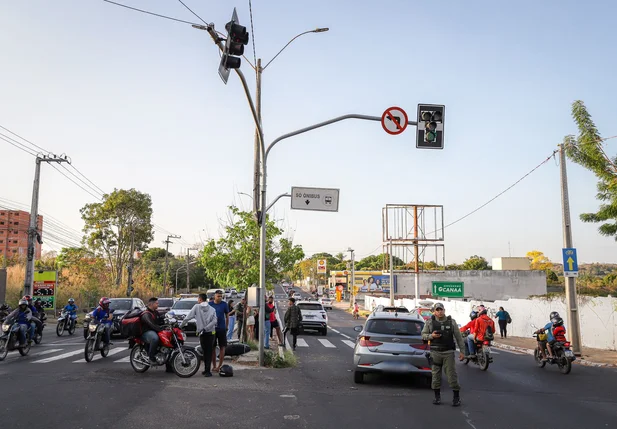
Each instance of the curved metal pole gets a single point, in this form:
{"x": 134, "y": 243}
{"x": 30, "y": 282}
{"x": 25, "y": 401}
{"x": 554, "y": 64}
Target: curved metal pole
{"x": 276, "y": 199}
{"x": 289, "y": 43}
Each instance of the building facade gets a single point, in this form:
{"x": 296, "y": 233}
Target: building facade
{"x": 14, "y": 234}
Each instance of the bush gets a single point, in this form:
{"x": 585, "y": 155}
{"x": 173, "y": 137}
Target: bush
{"x": 273, "y": 360}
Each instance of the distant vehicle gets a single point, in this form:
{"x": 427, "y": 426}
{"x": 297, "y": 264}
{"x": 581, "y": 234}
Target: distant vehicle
{"x": 314, "y": 317}
{"x": 326, "y": 302}
{"x": 390, "y": 343}
{"x": 423, "y": 312}
{"x": 241, "y": 294}
{"x": 389, "y": 309}
{"x": 165, "y": 305}
{"x": 180, "y": 309}
{"x": 297, "y": 295}
{"x": 211, "y": 292}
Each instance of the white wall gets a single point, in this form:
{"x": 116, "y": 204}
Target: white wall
{"x": 598, "y": 315}
{"x": 481, "y": 284}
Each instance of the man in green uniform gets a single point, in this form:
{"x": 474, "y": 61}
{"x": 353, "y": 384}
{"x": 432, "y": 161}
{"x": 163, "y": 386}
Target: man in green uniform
{"x": 444, "y": 335}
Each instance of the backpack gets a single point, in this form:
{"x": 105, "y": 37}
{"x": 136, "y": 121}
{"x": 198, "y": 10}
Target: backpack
{"x": 509, "y": 319}
{"x": 130, "y": 325}
{"x": 488, "y": 334}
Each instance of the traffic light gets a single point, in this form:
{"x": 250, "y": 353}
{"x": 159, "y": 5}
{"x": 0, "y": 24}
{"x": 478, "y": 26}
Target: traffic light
{"x": 430, "y": 129}
{"x": 237, "y": 38}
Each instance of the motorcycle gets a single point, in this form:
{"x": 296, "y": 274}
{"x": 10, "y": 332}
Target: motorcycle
{"x": 483, "y": 353}
{"x": 87, "y": 319}
{"x": 564, "y": 356}
{"x": 96, "y": 330}
{"x": 65, "y": 322}
{"x": 9, "y": 340}
{"x": 172, "y": 352}
{"x": 5, "y": 310}
{"x": 38, "y": 333}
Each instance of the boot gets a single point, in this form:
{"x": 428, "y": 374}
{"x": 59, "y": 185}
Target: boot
{"x": 456, "y": 401}
{"x": 437, "y": 399}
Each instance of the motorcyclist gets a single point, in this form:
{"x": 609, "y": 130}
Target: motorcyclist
{"x": 356, "y": 309}
{"x": 35, "y": 322}
{"x": 23, "y": 315}
{"x": 71, "y": 309}
{"x": 471, "y": 326}
{"x": 151, "y": 329}
{"x": 548, "y": 329}
{"x": 559, "y": 333}
{"x": 103, "y": 315}
{"x": 481, "y": 324}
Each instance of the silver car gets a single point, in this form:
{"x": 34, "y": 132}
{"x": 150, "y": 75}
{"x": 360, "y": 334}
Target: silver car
{"x": 391, "y": 343}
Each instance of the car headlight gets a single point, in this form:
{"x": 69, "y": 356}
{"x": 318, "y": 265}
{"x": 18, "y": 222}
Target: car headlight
{"x": 92, "y": 327}
{"x": 5, "y": 327}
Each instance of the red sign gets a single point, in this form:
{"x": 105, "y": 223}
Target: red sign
{"x": 394, "y": 120}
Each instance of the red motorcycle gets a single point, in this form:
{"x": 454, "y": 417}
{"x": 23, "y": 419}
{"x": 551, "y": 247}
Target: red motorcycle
{"x": 172, "y": 352}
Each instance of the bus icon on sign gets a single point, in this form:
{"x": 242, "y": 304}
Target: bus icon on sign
{"x": 328, "y": 199}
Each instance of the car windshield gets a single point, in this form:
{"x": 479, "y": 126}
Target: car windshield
{"x": 184, "y": 304}
{"x": 120, "y": 304}
{"x": 166, "y": 302}
{"x": 394, "y": 327}
{"x": 306, "y": 306}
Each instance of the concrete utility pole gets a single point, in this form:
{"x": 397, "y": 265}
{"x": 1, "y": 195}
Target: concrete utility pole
{"x": 257, "y": 148}
{"x": 571, "y": 298}
{"x": 167, "y": 242}
{"x": 352, "y": 294}
{"x": 33, "y": 232}
{"x": 129, "y": 286}
{"x": 391, "y": 273}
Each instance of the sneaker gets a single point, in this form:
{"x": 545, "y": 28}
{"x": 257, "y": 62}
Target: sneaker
{"x": 207, "y": 374}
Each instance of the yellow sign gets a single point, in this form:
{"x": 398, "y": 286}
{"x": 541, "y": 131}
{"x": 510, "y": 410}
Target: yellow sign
{"x": 322, "y": 266}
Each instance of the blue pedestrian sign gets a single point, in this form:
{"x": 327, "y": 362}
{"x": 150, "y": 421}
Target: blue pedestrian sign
{"x": 570, "y": 263}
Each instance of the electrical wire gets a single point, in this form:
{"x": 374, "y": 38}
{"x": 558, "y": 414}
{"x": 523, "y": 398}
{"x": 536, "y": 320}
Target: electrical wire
{"x": 80, "y": 179}
{"x": 18, "y": 145}
{"x": 90, "y": 181}
{"x": 84, "y": 189}
{"x": 26, "y": 140}
{"x": 190, "y": 10}
{"x": 150, "y": 13}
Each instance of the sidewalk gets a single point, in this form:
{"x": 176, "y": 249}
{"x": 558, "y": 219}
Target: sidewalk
{"x": 590, "y": 357}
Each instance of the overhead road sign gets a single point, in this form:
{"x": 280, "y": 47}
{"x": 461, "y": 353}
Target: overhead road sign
{"x": 570, "y": 263}
{"x": 317, "y": 199}
{"x": 448, "y": 289}
{"x": 394, "y": 120}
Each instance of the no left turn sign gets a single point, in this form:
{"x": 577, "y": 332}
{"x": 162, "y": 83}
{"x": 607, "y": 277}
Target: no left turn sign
{"x": 394, "y": 120}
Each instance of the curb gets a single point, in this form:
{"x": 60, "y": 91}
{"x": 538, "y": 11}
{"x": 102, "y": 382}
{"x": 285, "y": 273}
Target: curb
{"x": 578, "y": 361}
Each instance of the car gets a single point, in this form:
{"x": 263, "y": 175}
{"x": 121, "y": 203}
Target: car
{"x": 390, "y": 309}
{"x": 210, "y": 292}
{"x": 326, "y": 302}
{"x": 314, "y": 317}
{"x": 180, "y": 309}
{"x": 391, "y": 343}
{"x": 120, "y": 307}
{"x": 297, "y": 295}
{"x": 165, "y": 305}
{"x": 423, "y": 312}
{"x": 241, "y": 294}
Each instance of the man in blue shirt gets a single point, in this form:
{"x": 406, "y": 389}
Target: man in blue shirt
{"x": 71, "y": 308}
{"x": 220, "y": 333}
{"x": 103, "y": 315}
{"x": 22, "y": 315}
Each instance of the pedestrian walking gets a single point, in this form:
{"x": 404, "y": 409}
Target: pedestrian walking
{"x": 274, "y": 323}
{"x": 220, "y": 333}
{"x": 232, "y": 319}
{"x": 205, "y": 318}
{"x": 240, "y": 313}
{"x": 444, "y": 336}
{"x": 293, "y": 318}
{"x": 266, "y": 329}
{"x": 503, "y": 317}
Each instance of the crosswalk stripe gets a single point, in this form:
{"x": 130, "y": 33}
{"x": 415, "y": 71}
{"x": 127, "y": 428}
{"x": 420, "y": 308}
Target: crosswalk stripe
{"x": 349, "y": 343}
{"x": 46, "y": 352}
{"x": 302, "y": 343}
{"x": 123, "y": 360}
{"x": 327, "y": 344}
{"x": 98, "y": 356}
{"x": 58, "y": 357}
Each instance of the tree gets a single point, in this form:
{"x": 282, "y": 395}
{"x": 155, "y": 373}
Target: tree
{"x": 112, "y": 224}
{"x": 586, "y": 150}
{"x": 340, "y": 256}
{"x": 475, "y": 262}
{"x": 378, "y": 262}
{"x": 539, "y": 261}
{"x": 233, "y": 260}
{"x": 155, "y": 253}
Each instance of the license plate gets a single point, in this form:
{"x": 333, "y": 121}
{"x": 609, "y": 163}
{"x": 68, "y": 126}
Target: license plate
{"x": 569, "y": 353}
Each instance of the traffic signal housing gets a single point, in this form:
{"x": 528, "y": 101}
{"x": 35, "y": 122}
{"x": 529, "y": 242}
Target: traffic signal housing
{"x": 430, "y": 129}
{"x": 237, "y": 38}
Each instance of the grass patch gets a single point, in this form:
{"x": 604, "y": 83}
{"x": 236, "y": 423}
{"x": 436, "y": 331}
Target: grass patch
{"x": 253, "y": 345}
{"x": 273, "y": 360}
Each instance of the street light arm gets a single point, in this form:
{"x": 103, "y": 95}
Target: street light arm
{"x": 318, "y": 30}
{"x": 275, "y": 200}
{"x": 319, "y": 125}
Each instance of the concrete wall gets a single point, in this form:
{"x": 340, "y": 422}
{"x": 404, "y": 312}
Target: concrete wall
{"x": 482, "y": 284}
{"x": 598, "y": 315}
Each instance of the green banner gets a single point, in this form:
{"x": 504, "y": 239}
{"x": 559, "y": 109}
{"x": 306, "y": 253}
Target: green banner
{"x": 448, "y": 289}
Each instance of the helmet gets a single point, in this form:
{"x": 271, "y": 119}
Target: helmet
{"x": 104, "y": 301}
{"x": 226, "y": 371}
{"x": 553, "y": 315}
{"x": 473, "y": 315}
{"x": 482, "y": 311}
{"x": 23, "y": 302}
{"x": 27, "y": 298}
{"x": 71, "y": 301}
{"x": 557, "y": 321}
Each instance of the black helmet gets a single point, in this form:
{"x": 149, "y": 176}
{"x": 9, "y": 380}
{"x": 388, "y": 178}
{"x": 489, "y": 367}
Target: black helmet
{"x": 226, "y": 371}
{"x": 557, "y": 321}
{"x": 473, "y": 315}
{"x": 553, "y": 315}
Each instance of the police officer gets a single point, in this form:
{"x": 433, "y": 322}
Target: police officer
{"x": 444, "y": 335}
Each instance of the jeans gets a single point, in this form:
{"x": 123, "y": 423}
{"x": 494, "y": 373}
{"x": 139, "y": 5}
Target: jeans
{"x": 230, "y": 330}
{"x": 32, "y": 330}
{"x": 267, "y": 334}
{"x": 471, "y": 343}
{"x": 107, "y": 332}
{"x": 22, "y": 333}
{"x": 152, "y": 338}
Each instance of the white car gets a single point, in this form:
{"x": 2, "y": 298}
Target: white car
{"x": 181, "y": 308}
{"x": 326, "y": 302}
{"x": 314, "y": 316}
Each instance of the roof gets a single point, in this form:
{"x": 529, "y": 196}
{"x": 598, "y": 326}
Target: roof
{"x": 390, "y": 315}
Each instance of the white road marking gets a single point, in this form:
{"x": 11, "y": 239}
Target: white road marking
{"x": 349, "y": 343}
{"x": 58, "y": 357}
{"x": 302, "y": 343}
{"x": 98, "y": 356}
{"x": 327, "y": 344}
{"x": 340, "y": 333}
{"x": 123, "y": 360}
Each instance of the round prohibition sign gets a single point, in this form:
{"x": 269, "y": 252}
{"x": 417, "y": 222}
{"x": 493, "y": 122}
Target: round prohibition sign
{"x": 394, "y": 120}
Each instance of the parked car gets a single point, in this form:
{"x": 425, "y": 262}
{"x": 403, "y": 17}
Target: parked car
{"x": 326, "y": 302}
{"x": 314, "y": 317}
{"x": 165, "y": 305}
{"x": 121, "y": 306}
{"x": 180, "y": 309}
{"x": 391, "y": 343}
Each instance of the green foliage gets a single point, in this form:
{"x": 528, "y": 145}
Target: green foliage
{"x": 273, "y": 360}
{"x": 378, "y": 262}
{"x": 155, "y": 253}
{"x": 475, "y": 262}
{"x": 233, "y": 260}
{"x": 111, "y": 224}
{"x": 587, "y": 150}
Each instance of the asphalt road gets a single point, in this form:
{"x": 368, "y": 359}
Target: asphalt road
{"x": 54, "y": 387}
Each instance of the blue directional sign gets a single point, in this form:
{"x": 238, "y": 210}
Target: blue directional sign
{"x": 570, "y": 263}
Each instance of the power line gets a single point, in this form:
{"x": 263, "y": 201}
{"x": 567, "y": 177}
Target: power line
{"x": 150, "y": 13}
{"x": 60, "y": 171}
{"x": 190, "y": 10}
{"x": 18, "y": 145}
{"x": 84, "y": 176}
{"x": 28, "y": 141}
{"x": 81, "y": 180}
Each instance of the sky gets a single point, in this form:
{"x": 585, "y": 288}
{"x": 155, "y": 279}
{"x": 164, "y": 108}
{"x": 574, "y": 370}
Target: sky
{"x": 136, "y": 102}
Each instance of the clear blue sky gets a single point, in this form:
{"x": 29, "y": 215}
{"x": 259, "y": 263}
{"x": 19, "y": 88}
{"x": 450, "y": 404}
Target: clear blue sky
{"x": 136, "y": 101}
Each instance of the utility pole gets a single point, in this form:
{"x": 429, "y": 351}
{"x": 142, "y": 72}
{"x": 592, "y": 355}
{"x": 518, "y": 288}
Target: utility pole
{"x": 167, "y": 242}
{"x": 257, "y": 148}
{"x": 391, "y": 274}
{"x": 188, "y": 274}
{"x": 571, "y": 298}
{"x": 352, "y": 294}
{"x": 33, "y": 232}
{"x": 129, "y": 286}
{"x": 416, "y": 250}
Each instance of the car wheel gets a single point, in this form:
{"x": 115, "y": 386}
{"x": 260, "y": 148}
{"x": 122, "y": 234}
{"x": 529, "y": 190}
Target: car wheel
{"x": 358, "y": 377}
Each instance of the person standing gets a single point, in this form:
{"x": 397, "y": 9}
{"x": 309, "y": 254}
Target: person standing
{"x": 293, "y": 318}
{"x": 220, "y": 333}
{"x": 205, "y": 318}
{"x": 267, "y": 324}
{"x": 240, "y": 313}
{"x": 444, "y": 336}
{"x": 232, "y": 319}
{"x": 503, "y": 317}
{"x": 274, "y": 323}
